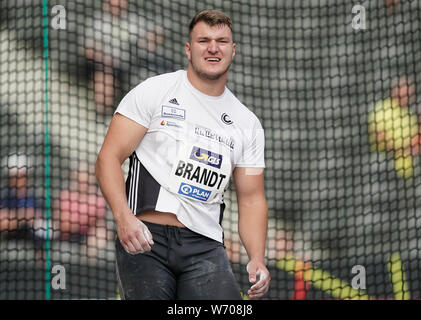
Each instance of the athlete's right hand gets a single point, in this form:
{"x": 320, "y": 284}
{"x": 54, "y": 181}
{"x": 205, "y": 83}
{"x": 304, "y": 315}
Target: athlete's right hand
{"x": 134, "y": 235}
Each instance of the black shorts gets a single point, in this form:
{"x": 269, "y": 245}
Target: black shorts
{"x": 181, "y": 265}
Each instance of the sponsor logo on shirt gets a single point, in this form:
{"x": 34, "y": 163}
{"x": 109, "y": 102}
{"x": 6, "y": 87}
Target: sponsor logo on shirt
{"x": 207, "y": 157}
{"x": 226, "y": 119}
{"x": 208, "y": 133}
{"x": 173, "y": 112}
{"x": 194, "y": 192}
{"x": 174, "y": 101}
{"x": 170, "y": 124}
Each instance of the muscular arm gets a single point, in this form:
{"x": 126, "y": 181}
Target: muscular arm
{"x": 252, "y": 225}
{"x": 122, "y": 138}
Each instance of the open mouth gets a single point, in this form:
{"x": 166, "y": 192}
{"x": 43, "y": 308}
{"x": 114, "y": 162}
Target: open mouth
{"x": 213, "y": 60}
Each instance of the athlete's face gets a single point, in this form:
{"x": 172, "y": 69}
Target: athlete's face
{"x": 210, "y": 50}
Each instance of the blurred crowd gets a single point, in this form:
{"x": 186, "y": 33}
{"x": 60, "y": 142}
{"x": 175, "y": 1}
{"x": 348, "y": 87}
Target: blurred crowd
{"x": 114, "y": 47}
{"x": 78, "y": 214}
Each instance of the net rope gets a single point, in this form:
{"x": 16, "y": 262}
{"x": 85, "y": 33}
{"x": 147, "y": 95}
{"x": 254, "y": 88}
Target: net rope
{"x": 342, "y": 175}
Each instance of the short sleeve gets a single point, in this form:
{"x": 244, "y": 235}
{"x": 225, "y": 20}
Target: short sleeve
{"x": 134, "y": 107}
{"x": 253, "y": 155}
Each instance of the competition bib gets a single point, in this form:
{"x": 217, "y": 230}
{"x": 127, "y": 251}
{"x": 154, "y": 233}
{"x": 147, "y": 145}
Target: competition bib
{"x": 199, "y": 173}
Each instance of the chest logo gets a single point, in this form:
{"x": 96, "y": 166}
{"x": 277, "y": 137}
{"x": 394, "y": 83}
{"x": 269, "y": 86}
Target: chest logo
{"x": 173, "y": 112}
{"x": 174, "y": 101}
{"x": 226, "y": 119}
{"x": 214, "y": 136}
{"x": 207, "y": 157}
{"x": 194, "y": 192}
{"x": 170, "y": 124}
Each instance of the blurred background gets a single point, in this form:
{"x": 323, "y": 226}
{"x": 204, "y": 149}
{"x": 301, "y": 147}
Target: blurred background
{"x": 339, "y": 107}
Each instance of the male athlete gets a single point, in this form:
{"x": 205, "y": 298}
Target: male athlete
{"x": 185, "y": 134}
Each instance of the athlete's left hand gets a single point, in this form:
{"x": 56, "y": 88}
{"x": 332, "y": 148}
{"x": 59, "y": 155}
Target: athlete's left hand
{"x": 259, "y": 275}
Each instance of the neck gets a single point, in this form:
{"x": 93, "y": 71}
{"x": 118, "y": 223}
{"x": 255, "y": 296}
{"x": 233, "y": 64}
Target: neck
{"x": 213, "y": 88}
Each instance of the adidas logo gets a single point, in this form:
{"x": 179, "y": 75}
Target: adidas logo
{"x": 174, "y": 101}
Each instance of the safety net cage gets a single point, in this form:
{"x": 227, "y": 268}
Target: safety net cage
{"x": 335, "y": 85}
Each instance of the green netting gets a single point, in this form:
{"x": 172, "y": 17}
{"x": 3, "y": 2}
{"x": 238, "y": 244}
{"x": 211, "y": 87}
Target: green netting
{"x": 340, "y": 204}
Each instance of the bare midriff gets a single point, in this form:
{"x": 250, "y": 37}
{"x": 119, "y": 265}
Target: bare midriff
{"x": 158, "y": 217}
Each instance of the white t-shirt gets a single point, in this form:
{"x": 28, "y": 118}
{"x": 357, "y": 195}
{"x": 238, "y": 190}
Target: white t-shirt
{"x": 193, "y": 143}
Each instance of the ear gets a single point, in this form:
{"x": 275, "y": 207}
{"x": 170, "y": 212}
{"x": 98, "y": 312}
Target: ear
{"x": 234, "y": 45}
{"x": 188, "y": 51}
